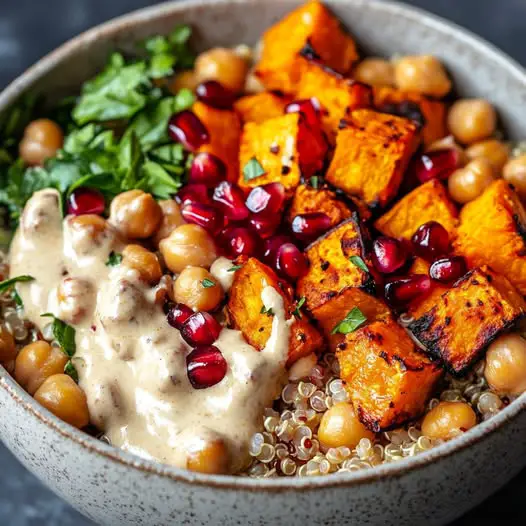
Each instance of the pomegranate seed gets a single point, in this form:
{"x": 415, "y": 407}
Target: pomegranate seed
{"x": 271, "y": 247}
{"x": 312, "y": 149}
{"x": 186, "y": 128}
{"x": 310, "y": 226}
{"x": 388, "y": 255}
{"x": 309, "y": 108}
{"x": 200, "y": 328}
{"x": 240, "y": 241}
{"x": 291, "y": 262}
{"x": 203, "y": 215}
{"x": 430, "y": 240}
{"x": 207, "y": 169}
{"x": 399, "y": 292}
{"x": 214, "y": 94}
{"x": 178, "y": 314}
{"x": 265, "y": 227}
{"x": 439, "y": 164}
{"x": 231, "y": 201}
{"x": 447, "y": 270}
{"x": 85, "y": 201}
{"x": 193, "y": 193}
{"x": 267, "y": 199}
{"x": 205, "y": 366}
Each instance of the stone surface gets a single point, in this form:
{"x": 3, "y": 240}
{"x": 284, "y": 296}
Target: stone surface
{"x": 29, "y": 29}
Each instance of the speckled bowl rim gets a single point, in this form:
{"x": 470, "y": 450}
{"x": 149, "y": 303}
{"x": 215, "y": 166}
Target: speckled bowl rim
{"x": 366, "y": 476}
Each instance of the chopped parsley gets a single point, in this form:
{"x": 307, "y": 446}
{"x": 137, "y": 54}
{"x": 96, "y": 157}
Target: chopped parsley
{"x": 114, "y": 259}
{"x": 351, "y": 322}
{"x": 64, "y": 334}
{"x": 9, "y": 283}
{"x": 253, "y": 169}
{"x": 234, "y": 268}
{"x": 359, "y": 262}
{"x": 268, "y": 312}
{"x": 299, "y": 304}
{"x": 207, "y": 283}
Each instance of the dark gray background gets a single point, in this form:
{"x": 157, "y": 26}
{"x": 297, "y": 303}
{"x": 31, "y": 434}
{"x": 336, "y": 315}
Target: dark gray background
{"x": 31, "y": 28}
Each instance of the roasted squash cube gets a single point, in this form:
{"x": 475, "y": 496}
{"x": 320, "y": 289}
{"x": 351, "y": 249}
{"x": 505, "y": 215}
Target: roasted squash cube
{"x": 388, "y": 380}
{"x": 431, "y": 113}
{"x": 337, "y": 95}
{"x": 468, "y": 317}
{"x": 224, "y": 128}
{"x": 245, "y": 308}
{"x": 260, "y": 107}
{"x": 492, "y": 231}
{"x": 427, "y": 202}
{"x": 309, "y": 30}
{"x": 372, "y": 153}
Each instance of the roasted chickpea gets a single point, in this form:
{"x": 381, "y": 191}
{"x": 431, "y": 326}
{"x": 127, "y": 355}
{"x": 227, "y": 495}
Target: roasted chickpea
{"x": 42, "y": 138}
{"x": 198, "y": 289}
{"x": 65, "y": 399}
{"x": 423, "y": 74}
{"x": 223, "y": 65}
{"x": 7, "y": 345}
{"x": 184, "y": 80}
{"x": 493, "y": 150}
{"x": 36, "y": 362}
{"x": 252, "y": 84}
{"x": 514, "y": 172}
{"x": 210, "y": 456}
{"x": 340, "y": 426}
{"x": 135, "y": 214}
{"x": 74, "y": 297}
{"x": 375, "y": 71}
{"x": 472, "y": 120}
{"x": 172, "y": 218}
{"x": 90, "y": 224}
{"x": 188, "y": 246}
{"x": 448, "y": 420}
{"x": 143, "y": 261}
{"x": 465, "y": 184}
{"x": 505, "y": 369}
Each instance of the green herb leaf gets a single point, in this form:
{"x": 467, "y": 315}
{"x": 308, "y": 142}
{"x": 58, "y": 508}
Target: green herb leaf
{"x": 71, "y": 370}
{"x": 351, "y": 322}
{"x": 207, "y": 283}
{"x": 299, "y": 304}
{"x": 114, "y": 259}
{"x": 158, "y": 181}
{"x": 253, "y": 169}
{"x": 234, "y": 268}
{"x": 315, "y": 182}
{"x": 17, "y": 299}
{"x": 64, "y": 334}
{"x": 359, "y": 262}
{"x": 268, "y": 312}
{"x": 8, "y": 283}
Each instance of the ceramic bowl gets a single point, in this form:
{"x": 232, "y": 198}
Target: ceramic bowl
{"x": 113, "y": 487}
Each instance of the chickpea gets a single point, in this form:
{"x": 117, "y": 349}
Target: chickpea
{"x": 188, "y": 246}
{"x": 472, "y": 120}
{"x": 65, "y": 399}
{"x": 135, "y": 214}
{"x": 253, "y": 85}
{"x": 223, "y": 65}
{"x": 209, "y": 456}
{"x": 340, "y": 426}
{"x": 375, "y": 71}
{"x": 36, "y": 362}
{"x": 172, "y": 218}
{"x": 448, "y": 420}
{"x": 505, "y": 369}
{"x": 92, "y": 225}
{"x": 193, "y": 288}
{"x": 465, "y": 184}
{"x": 423, "y": 74}
{"x": 514, "y": 172}
{"x": 42, "y": 139}
{"x": 143, "y": 261}
{"x": 493, "y": 150}
{"x": 7, "y": 345}
{"x": 184, "y": 80}
{"x": 74, "y": 297}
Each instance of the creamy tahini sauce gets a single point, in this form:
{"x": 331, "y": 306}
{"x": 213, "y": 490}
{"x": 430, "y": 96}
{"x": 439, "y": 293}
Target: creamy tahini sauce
{"x": 131, "y": 363}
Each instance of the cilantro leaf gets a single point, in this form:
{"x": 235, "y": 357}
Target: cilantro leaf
{"x": 299, "y": 304}
{"x": 351, "y": 322}
{"x": 268, "y": 312}
{"x": 114, "y": 259}
{"x": 64, "y": 334}
{"x": 9, "y": 283}
{"x": 234, "y": 268}
{"x": 359, "y": 262}
{"x": 158, "y": 181}
{"x": 207, "y": 283}
{"x": 253, "y": 169}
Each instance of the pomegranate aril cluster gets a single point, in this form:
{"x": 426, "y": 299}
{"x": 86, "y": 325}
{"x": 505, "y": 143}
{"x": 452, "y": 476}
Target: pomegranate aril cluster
{"x": 186, "y": 127}
{"x": 448, "y": 270}
{"x": 85, "y": 201}
{"x": 430, "y": 241}
{"x": 400, "y": 292}
{"x": 215, "y": 94}
{"x": 230, "y": 200}
{"x": 207, "y": 169}
{"x": 438, "y": 164}
{"x": 178, "y": 314}
{"x": 205, "y": 366}
{"x": 308, "y": 227}
{"x": 388, "y": 255}
{"x": 201, "y": 328}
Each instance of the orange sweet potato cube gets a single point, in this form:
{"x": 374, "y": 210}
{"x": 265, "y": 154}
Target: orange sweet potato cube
{"x": 337, "y": 95}
{"x": 372, "y": 153}
{"x": 224, "y": 128}
{"x": 260, "y": 107}
{"x": 468, "y": 317}
{"x": 388, "y": 380}
{"x": 492, "y": 231}
{"x": 310, "y": 30}
{"x": 427, "y": 202}
{"x": 245, "y": 311}
{"x": 433, "y": 112}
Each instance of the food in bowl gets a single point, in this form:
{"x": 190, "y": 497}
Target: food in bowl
{"x": 291, "y": 264}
